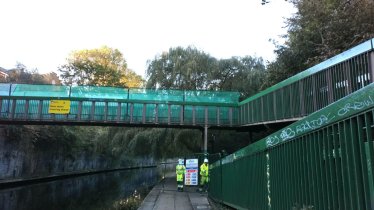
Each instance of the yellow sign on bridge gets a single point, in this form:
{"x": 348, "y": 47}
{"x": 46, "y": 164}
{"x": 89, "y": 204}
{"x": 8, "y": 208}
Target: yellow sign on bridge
{"x": 59, "y": 106}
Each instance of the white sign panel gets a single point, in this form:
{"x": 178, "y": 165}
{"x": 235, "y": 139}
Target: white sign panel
{"x": 191, "y": 172}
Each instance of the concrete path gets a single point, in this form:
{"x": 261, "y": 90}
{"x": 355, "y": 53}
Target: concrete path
{"x": 170, "y": 199}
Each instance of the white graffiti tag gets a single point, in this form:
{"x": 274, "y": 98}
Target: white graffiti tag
{"x": 287, "y": 134}
{"x": 272, "y": 141}
{"x": 313, "y": 124}
{"x": 356, "y": 106}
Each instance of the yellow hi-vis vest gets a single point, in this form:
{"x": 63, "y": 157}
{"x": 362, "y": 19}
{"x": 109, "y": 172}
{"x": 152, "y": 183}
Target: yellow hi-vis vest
{"x": 181, "y": 169}
{"x": 204, "y": 170}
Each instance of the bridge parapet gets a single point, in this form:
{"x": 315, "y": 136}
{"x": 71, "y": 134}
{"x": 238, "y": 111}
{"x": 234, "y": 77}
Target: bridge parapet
{"x": 323, "y": 160}
{"x": 108, "y": 105}
{"x": 312, "y": 89}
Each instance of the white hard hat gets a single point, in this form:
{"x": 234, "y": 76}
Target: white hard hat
{"x": 206, "y": 160}
{"x": 181, "y": 161}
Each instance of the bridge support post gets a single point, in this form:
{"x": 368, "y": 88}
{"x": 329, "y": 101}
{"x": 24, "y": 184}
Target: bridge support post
{"x": 205, "y": 148}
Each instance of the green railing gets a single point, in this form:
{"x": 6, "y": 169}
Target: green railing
{"x": 23, "y": 102}
{"x": 312, "y": 89}
{"x": 323, "y": 160}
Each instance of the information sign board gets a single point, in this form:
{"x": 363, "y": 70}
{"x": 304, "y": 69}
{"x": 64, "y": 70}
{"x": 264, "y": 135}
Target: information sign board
{"x": 191, "y": 172}
{"x": 59, "y": 106}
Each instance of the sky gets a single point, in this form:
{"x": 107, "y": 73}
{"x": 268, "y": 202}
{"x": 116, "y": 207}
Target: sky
{"x": 40, "y": 34}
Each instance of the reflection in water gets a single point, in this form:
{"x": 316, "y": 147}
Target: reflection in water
{"x": 113, "y": 190}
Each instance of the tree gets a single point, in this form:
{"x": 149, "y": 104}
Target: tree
{"x": 99, "y": 67}
{"x": 192, "y": 69}
{"x": 320, "y": 30}
{"x": 180, "y": 69}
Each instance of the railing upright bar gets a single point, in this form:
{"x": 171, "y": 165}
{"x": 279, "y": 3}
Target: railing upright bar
{"x": 13, "y": 108}
{"x": 218, "y": 112}
{"x": 144, "y": 112}
{"x": 302, "y": 111}
{"x": 169, "y": 113}
{"x": 118, "y": 111}
{"x": 40, "y": 109}
{"x": 156, "y": 117}
{"x": 193, "y": 114}
{"x": 230, "y": 116}
{"x": 106, "y": 112}
{"x": 131, "y": 112}
{"x": 93, "y": 111}
{"x": 79, "y": 114}
{"x": 371, "y": 66}
{"x": 26, "y": 109}
{"x": 314, "y": 92}
{"x": 329, "y": 87}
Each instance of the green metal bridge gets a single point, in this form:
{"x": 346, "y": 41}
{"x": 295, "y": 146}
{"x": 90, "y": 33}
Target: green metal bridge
{"x": 323, "y": 159}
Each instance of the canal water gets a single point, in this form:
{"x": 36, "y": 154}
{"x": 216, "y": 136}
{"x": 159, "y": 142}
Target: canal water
{"x": 119, "y": 190}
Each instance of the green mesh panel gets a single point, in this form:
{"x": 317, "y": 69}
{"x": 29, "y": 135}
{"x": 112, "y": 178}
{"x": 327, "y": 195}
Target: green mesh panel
{"x": 4, "y": 89}
{"x": 40, "y": 90}
{"x": 211, "y": 96}
{"x": 119, "y": 93}
{"x": 156, "y": 95}
{"x": 98, "y": 92}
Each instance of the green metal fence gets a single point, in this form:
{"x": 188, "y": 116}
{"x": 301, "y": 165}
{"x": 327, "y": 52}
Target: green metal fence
{"x": 323, "y": 160}
{"x": 312, "y": 89}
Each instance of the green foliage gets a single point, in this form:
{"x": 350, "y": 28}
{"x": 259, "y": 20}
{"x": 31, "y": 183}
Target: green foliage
{"x": 192, "y": 69}
{"x": 318, "y": 31}
{"x": 99, "y": 67}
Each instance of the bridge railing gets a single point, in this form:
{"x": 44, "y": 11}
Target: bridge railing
{"x": 15, "y": 108}
{"x": 312, "y": 89}
{"x": 323, "y": 160}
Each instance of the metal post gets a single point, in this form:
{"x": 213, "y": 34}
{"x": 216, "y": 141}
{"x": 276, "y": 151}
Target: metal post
{"x": 348, "y": 74}
{"x": 144, "y": 112}
{"x": 156, "y": 121}
{"x": 206, "y": 115}
{"x": 230, "y": 116}
{"x": 119, "y": 111}
{"x": 52, "y": 116}
{"x": 205, "y": 139}
{"x": 262, "y": 108}
{"x": 163, "y": 186}
{"x": 13, "y": 109}
{"x": 193, "y": 115}
{"x": 26, "y": 110}
{"x": 79, "y": 114}
{"x": 291, "y": 110}
{"x": 275, "y": 105}
{"x": 93, "y": 111}
{"x": 253, "y": 118}
{"x": 330, "y": 91}
{"x": 220, "y": 166}
{"x": 131, "y": 111}
{"x": 10, "y": 92}
{"x": 40, "y": 109}
{"x": 301, "y": 98}
{"x": 106, "y": 112}
{"x": 218, "y": 115}
{"x": 181, "y": 114}
{"x": 314, "y": 92}
{"x": 70, "y": 92}
{"x": 371, "y": 66}
{"x": 169, "y": 112}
